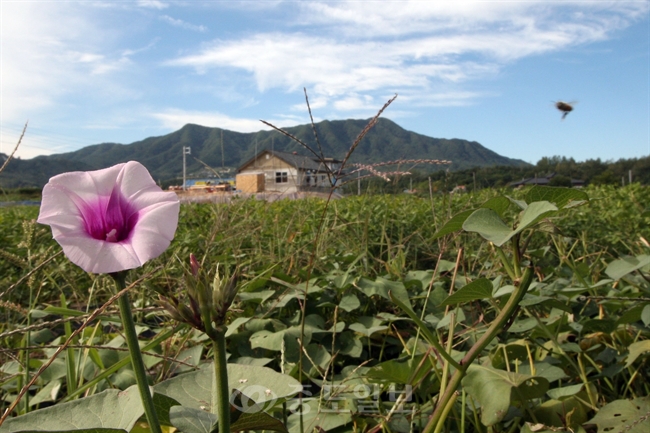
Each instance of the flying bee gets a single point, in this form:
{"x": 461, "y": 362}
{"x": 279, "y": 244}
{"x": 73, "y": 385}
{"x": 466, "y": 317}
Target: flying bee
{"x": 564, "y": 107}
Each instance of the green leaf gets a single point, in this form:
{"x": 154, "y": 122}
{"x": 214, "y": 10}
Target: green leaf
{"x": 402, "y": 371}
{"x": 349, "y": 302}
{"x": 623, "y": 266}
{"x": 192, "y": 356}
{"x": 499, "y": 204}
{"x": 381, "y": 286}
{"x": 545, "y": 370}
{"x": 111, "y": 409}
{"x": 477, "y": 289}
{"x": 264, "y": 385}
{"x": 368, "y": 326}
{"x": 514, "y": 351}
{"x": 233, "y": 327}
{"x": 246, "y": 415}
{"x": 273, "y": 340}
{"x": 258, "y": 421}
{"x": 261, "y": 296}
{"x": 635, "y": 350}
{"x": 454, "y": 224}
{"x": 162, "y": 405}
{"x": 568, "y": 412}
{"x": 314, "y": 417}
{"x": 489, "y": 225}
{"x": 523, "y": 325}
{"x": 535, "y": 212}
{"x": 459, "y": 317}
{"x": 645, "y": 315}
{"x": 48, "y": 393}
{"x": 566, "y": 391}
{"x": 60, "y": 311}
{"x": 519, "y": 203}
{"x": 623, "y": 416}
{"x": 85, "y": 430}
{"x": 561, "y": 197}
{"x": 191, "y": 420}
{"x": 320, "y": 357}
{"x": 349, "y": 344}
{"x": 495, "y": 389}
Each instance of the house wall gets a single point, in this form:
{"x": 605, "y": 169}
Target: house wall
{"x": 296, "y": 178}
{"x": 250, "y": 182}
{"x": 269, "y": 167}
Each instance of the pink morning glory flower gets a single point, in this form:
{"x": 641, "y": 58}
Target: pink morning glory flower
{"x": 109, "y": 220}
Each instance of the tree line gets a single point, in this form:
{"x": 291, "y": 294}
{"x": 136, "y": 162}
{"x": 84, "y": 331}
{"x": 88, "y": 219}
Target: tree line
{"x": 591, "y": 172}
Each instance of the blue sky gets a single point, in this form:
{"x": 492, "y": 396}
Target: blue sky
{"x": 89, "y": 72}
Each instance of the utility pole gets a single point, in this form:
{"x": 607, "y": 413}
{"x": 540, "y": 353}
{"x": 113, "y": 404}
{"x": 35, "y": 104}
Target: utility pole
{"x": 358, "y": 183}
{"x": 186, "y": 151}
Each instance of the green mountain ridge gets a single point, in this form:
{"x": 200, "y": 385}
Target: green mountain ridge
{"x": 162, "y": 155}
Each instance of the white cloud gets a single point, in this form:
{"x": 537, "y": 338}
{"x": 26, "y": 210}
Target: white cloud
{"x": 67, "y": 59}
{"x": 422, "y": 17}
{"x": 152, "y": 4}
{"x": 183, "y": 24}
{"x": 345, "y": 52}
{"x": 174, "y": 119}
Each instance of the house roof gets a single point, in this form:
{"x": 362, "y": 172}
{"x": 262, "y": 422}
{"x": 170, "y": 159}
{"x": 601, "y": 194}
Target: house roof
{"x": 298, "y": 161}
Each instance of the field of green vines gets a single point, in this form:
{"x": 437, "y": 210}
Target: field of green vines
{"x": 318, "y": 283}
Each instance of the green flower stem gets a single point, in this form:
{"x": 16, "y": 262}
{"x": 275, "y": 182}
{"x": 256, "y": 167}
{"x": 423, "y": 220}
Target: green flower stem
{"x": 71, "y": 365}
{"x": 220, "y": 393}
{"x": 136, "y": 355}
{"x": 446, "y": 411}
{"x": 438, "y": 416}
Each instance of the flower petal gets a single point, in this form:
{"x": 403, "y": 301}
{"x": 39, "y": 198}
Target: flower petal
{"x": 110, "y": 220}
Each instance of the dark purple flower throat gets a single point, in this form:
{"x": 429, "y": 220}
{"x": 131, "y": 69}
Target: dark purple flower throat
{"x": 110, "y": 219}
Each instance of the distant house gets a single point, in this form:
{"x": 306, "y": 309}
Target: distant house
{"x": 544, "y": 181}
{"x": 459, "y": 189}
{"x": 283, "y": 172}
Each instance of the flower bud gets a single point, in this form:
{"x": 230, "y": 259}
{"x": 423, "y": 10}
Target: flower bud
{"x": 194, "y": 265}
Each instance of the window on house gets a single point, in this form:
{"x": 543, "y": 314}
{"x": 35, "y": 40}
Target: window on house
{"x": 281, "y": 177}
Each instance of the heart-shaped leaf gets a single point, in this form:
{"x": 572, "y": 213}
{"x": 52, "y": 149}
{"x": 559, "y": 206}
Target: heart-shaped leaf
{"x": 191, "y": 420}
{"x": 112, "y": 409}
{"x": 623, "y": 416}
{"x": 495, "y": 390}
{"x": 489, "y": 225}
{"x": 477, "y": 289}
{"x": 623, "y": 266}
{"x": 265, "y": 386}
{"x": 561, "y": 197}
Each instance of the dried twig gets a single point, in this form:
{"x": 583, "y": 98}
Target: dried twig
{"x": 294, "y": 138}
{"x": 313, "y": 126}
{"x": 22, "y": 134}
{"x": 53, "y": 323}
{"x": 30, "y": 273}
{"x": 92, "y": 346}
{"x": 61, "y": 348}
{"x": 364, "y": 131}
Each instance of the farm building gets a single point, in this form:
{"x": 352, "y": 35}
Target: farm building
{"x": 282, "y": 172}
